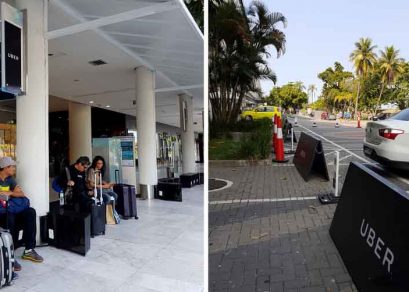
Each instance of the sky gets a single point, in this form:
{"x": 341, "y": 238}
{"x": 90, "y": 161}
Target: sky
{"x": 320, "y": 33}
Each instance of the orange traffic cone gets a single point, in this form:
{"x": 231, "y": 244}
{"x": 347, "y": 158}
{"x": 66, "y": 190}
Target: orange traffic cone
{"x": 359, "y": 121}
{"x": 279, "y": 145}
{"x": 275, "y": 133}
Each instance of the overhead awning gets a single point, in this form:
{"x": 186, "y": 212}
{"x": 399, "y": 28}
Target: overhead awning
{"x": 94, "y": 47}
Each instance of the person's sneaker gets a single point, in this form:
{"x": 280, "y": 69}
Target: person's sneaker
{"x": 17, "y": 266}
{"x": 14, "y": 276}
{"x": 32, "y": 255}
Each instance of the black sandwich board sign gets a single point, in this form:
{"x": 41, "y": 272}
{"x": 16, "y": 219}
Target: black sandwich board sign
{"x": 309, "y": 158}
{"x": 370, "y": 229}
{"x": 11, "y": 51}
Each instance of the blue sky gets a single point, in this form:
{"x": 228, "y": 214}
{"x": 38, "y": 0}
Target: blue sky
{"x": 321, "y": 32}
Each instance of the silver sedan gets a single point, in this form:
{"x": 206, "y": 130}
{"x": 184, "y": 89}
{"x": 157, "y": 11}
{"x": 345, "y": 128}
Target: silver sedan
{"x": 387, "y": 141}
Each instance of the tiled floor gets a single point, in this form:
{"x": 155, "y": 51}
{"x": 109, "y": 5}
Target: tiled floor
{"x": 162, "y": 251}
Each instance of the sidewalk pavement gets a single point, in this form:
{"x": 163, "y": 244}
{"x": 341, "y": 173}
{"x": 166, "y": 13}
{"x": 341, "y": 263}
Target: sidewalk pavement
{"x": 266, "y": 242}
{"x": 161, "y": 251}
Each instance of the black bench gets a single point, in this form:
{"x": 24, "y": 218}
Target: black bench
{"x": 66, "y": 229}
{"x": 189, "y": 180}
{"x": 168, "y": 189}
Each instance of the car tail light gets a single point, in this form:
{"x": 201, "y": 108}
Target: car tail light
{"x": 390, "y": 133}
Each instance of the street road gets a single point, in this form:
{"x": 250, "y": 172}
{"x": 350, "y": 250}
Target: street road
{"x": 349, "y": 141}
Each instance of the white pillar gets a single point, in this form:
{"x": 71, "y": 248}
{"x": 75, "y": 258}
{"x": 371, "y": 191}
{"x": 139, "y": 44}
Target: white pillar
{"x": 80, "y": 136}
{"x": 188, "y": 135}
{"x": 32, "y": 111}
{"x": 146, "y": 129}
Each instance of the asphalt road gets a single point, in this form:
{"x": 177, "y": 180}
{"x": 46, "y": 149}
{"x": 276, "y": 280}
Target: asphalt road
{"x": 349, "y": 141}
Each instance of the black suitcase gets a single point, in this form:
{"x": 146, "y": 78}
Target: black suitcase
{"x": 126, "y": 205}
{"x": 98, "y": 219}
{"x": 98, "y": 209}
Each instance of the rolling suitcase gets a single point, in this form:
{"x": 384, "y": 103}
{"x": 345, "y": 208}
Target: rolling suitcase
{"x": 126, "y": 205}
{"x": 98, "y": 209}
{"x": 6, "y": 257}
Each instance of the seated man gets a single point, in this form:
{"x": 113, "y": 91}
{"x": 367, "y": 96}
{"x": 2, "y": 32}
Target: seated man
{"x": 77, "y": 181}
{"x": 25, "y": 219}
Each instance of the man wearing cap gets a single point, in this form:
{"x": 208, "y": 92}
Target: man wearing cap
{"x": 77, "y": 181}
{"x": 25, "y": 219}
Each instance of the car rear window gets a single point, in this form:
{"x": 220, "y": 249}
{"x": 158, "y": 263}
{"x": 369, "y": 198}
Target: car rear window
{"x": 401, "y": 116}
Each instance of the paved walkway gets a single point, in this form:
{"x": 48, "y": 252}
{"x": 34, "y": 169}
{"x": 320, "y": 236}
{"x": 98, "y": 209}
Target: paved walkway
{"x": 162, "y": 251}
{"x": 266, "y": 233}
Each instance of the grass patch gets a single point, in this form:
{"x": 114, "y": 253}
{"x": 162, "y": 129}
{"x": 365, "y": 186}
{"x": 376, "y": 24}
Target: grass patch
{"x": 223, "y": 149}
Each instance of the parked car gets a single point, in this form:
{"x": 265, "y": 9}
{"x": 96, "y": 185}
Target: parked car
{"x": 324, "y": 115}
{"x": 347, "y": 115}
{"x": 387, "y": 141}
{"x": 261, "y": 112}
{"x": 381, "y": 116}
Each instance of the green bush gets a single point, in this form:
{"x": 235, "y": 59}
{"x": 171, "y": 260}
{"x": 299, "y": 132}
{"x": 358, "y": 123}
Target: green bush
{"x": 257, "y": 145}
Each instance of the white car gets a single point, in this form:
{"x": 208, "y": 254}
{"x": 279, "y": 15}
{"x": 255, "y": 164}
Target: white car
{"x": 387, "y": 141}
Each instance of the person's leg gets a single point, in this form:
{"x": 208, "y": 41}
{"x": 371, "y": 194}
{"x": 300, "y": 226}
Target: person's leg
{"x": 29, "y": 224}
{"x": 106, "y": 198}
{"x": 10, "y": 223}
{"x": 29, "y": 219}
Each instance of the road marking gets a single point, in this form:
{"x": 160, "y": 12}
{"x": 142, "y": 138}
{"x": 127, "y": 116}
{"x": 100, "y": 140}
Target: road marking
{"x": 345, "y": 157}
{"x": 229, "y": 184}
{"x": 329, "y": 153}
{"x": 343, "y": 148}
{"x": 269, "y": 200}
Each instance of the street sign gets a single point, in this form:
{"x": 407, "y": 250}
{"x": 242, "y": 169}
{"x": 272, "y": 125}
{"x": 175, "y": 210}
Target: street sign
{"x": 11, "y": 50}
{"x": 370, "y": 231}
{"x": 309, "y": 158}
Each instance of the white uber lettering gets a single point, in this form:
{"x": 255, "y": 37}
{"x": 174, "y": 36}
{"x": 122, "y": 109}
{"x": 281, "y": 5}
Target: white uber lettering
{"x": 377, "y": 245}
{"x": 371, "y": 237}
{"x": 388, "y": 257}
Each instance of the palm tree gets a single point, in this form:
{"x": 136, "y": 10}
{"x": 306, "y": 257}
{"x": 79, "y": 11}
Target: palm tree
{"x": 238, "y": 48}
{"x": 312, "y": 88}
{"x": 390, "y": 67}
{"x": 363, "y": 58}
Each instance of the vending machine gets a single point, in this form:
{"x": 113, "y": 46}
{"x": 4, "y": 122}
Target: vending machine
{"x": 118, "y": 153}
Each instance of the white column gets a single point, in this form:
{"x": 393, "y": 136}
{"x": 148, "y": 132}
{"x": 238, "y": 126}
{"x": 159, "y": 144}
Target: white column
{"x": 80, "y": 136}
{"x": 32, "y": 111}
{"x": 188, "y": 136}
{"x": 146, "y": 129}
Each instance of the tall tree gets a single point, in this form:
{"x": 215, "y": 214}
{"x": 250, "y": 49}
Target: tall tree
{"x": 391, "y": 66}
{"x": 238, "y": 48}
{"x": 196, "y": 8}
{"x": 363, "y": 58}
{"x": 290, "y": 95}
{"x": 312, "y": 89}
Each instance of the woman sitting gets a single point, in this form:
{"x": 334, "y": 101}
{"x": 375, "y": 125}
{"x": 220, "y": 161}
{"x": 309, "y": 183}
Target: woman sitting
{"x": 93, "y": 178}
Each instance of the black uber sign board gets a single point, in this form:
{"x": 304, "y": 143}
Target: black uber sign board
{"x": 370, "y": 229}
{"x": 12, "y": 52}
{"x": 309, "y": 158}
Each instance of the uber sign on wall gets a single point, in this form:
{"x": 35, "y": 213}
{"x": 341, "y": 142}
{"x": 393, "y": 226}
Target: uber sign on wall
{"x": 11, "y": 49}
{"x": 12, "y": 39}
{"x": 371, "y": 231}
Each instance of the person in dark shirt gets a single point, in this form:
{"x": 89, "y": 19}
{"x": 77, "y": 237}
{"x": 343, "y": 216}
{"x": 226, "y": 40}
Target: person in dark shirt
{"x": 77, "y": 181}
{"x": 25, "y": 219}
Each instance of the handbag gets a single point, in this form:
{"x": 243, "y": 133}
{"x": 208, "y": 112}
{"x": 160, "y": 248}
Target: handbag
{"x": 15, "y": 205}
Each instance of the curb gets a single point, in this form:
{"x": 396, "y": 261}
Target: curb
{"x": 239, "y": 163}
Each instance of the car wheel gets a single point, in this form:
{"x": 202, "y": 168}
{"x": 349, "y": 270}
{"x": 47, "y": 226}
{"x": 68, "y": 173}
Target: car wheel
{"x": 249, "y": 118}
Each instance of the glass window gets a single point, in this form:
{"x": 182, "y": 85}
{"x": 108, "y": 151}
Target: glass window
{"x": 401, "y": 116}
